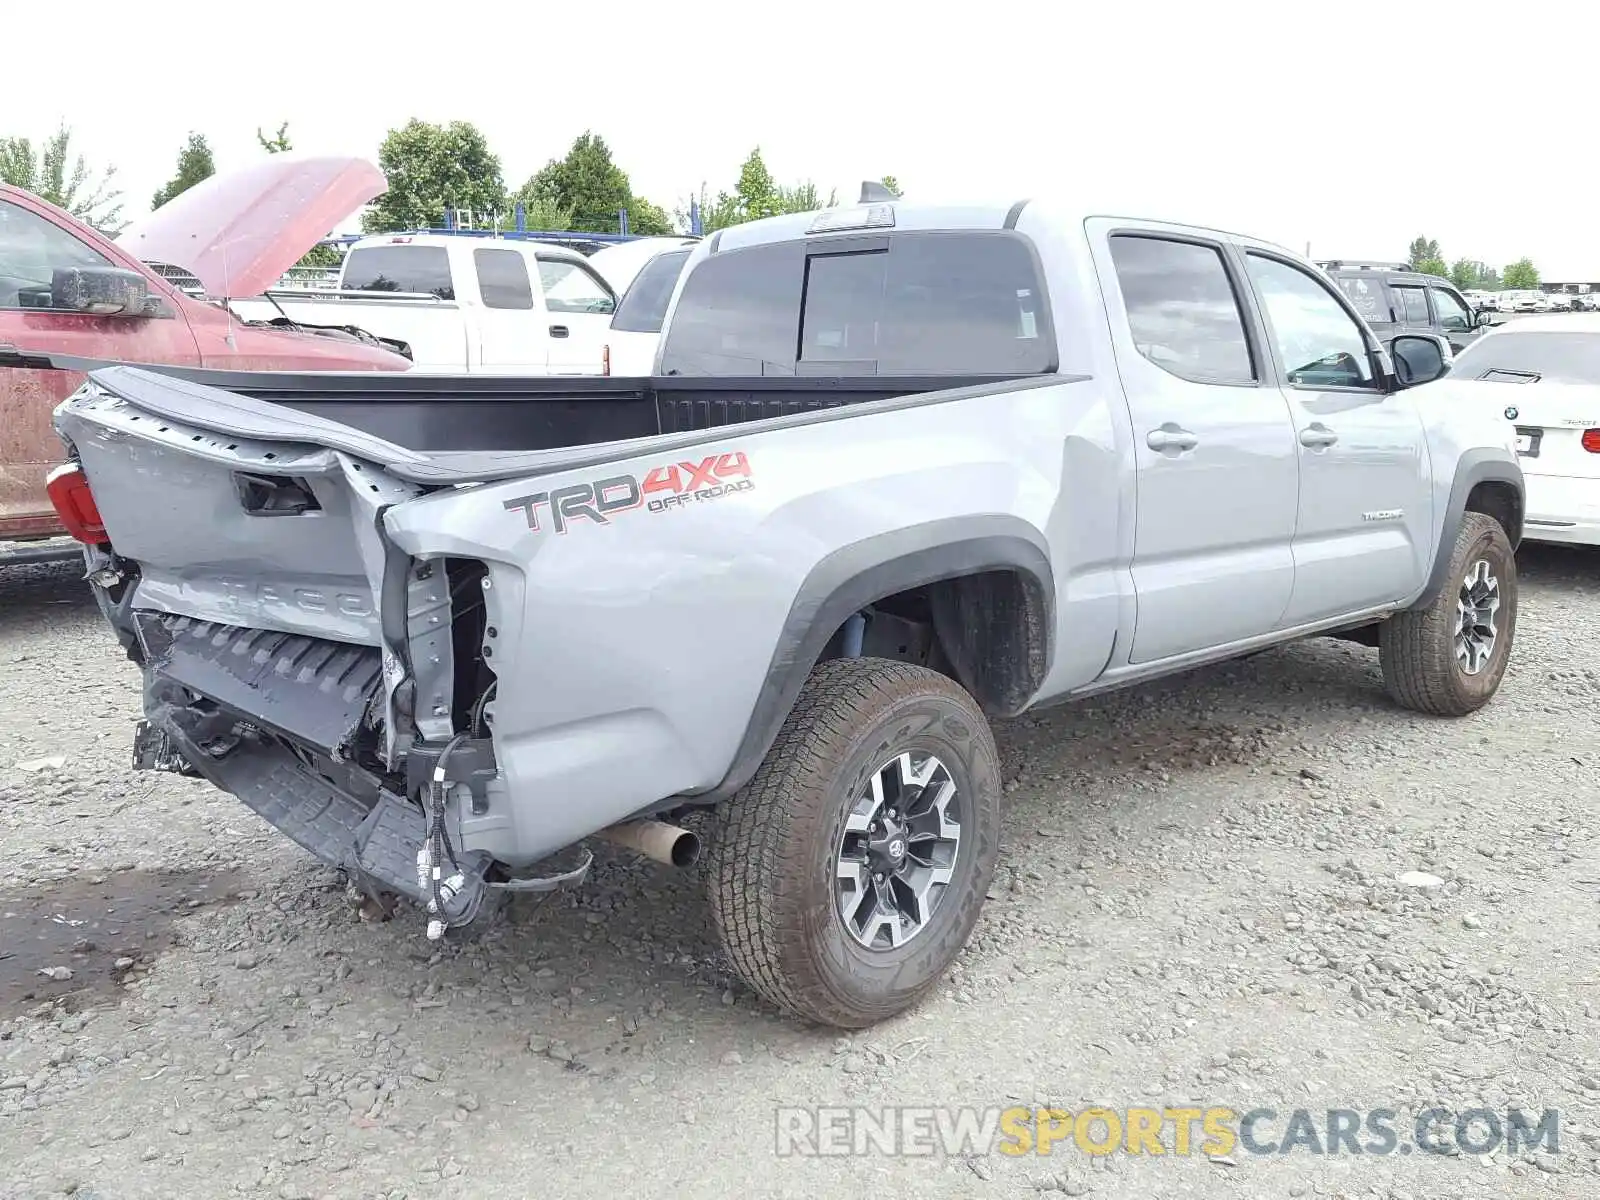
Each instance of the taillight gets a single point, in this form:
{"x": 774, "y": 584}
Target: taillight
{"x": 1591, "y": 439}
{"x": 605, "y": 360}
{"x": 74, "y": 503}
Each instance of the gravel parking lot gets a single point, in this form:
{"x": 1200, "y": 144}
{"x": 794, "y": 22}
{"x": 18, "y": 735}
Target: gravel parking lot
{"x": 1199, "y": 905}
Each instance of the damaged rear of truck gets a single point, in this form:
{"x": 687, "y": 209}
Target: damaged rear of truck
{"x": 440, "y": 631}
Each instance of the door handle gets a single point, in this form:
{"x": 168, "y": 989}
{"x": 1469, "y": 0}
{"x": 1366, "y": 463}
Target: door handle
{"x": 1171, "y": 437}
{"x": 558, "y": 331}
{"x": 1318, "y": 436}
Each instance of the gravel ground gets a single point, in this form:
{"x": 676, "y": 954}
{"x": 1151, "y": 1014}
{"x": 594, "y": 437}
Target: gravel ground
{"x": 1199, "y": 903}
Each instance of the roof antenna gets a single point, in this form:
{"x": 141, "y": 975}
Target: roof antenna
{"x": 873, "y": 192}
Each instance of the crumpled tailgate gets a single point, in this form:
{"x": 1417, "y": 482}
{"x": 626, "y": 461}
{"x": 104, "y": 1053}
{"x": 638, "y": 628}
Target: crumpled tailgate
{"x": 237, "y": 530}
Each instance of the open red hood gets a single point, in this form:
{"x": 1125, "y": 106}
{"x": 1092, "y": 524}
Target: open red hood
{"x": 238, "y": 232}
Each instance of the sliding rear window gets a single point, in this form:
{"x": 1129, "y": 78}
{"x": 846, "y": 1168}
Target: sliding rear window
{"x": 643, "y": 306}
{"x": 914, "y": 303}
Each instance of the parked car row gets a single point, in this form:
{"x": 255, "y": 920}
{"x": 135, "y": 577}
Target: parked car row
{"x": 1531, "y": 300}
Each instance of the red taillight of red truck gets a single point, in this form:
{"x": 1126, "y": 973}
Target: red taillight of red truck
{"x": 74, "y": 503}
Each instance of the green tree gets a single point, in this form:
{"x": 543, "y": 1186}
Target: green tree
{"x": 278, "y": 143}
{"x": 591, "y": 189}
{"x": 893, "y": 184}
{"x": 1464, "y": 273}
{"x": 538, "y": 213}
{"x": 1521, "y": 275}
{"x": 433, "y": 167}
{"x": 1423, "y": 249}
{"x": 756, "y": 195}
{"x": 52, "y": 173}
{"x": 194, "y": 164}
{"x": 648, "y": 219}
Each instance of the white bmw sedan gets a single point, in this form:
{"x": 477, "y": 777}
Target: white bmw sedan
{"x": 1546, "y": 372}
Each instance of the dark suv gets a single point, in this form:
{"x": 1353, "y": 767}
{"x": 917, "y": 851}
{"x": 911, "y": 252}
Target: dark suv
{"x": 1395, "y": 299}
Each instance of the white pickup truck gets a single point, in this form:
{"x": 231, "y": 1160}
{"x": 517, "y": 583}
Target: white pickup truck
{"x": 478, "y": 305}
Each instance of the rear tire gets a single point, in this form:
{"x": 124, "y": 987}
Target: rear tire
{"x": 876, "y": 767}
{"x": 1448, "y": 659}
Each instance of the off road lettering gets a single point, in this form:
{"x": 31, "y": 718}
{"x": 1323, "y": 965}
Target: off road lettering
{"x": 665, "y": 487}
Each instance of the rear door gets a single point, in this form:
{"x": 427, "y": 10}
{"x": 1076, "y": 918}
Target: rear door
{"x": 1217, "y": 468}
{"x": 512, "y": 338}
{"x": 579, "y": 306}
{"x": 1364, "y": 509}
{"x": 33, "y": 246}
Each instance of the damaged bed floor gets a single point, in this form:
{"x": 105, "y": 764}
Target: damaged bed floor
{"x": 1200, "y": 904}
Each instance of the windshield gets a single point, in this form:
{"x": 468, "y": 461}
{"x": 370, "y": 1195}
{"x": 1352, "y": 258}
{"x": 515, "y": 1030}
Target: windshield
{"x": 644, "y": 305}
{"x": 1557, "y": 357}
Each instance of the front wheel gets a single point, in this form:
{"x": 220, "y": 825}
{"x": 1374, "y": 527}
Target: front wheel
{"x": 848, "y": 873}
{"x": 1448, "y": 659}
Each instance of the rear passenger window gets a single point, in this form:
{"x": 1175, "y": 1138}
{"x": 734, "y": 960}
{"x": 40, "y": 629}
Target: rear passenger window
{"x": 503, "y": 279}
{"x": 1413, "y": 305}
{"x": 417, "y": 269}
{"x": 1182, "y": 309}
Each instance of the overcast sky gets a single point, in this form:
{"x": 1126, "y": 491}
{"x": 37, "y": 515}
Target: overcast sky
{"x": 1349, "y": 125}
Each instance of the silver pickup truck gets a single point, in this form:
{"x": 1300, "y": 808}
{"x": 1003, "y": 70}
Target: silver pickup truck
{"x": 900, "y": 470}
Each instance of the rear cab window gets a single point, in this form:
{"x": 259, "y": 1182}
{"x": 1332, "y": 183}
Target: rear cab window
{"x": 964, "y": 303}
{"x": 643, "y": 307}
{"x": 421, "y": 270}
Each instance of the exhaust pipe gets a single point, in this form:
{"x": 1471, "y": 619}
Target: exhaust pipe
{"x": 656, "y": 840}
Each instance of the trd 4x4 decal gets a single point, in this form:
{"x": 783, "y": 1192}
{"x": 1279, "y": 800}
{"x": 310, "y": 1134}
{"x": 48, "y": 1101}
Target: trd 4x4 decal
{"x": 662, "y": 488}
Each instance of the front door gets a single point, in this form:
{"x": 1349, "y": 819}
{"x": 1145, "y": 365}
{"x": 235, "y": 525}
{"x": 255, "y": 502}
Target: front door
{"x": 1365, "y": 509}
{"x": 580, "y": 305}
{"x": 1214, "y": 448}
{"x": 32, "y": 249}
{"x": 1456, "y": 320}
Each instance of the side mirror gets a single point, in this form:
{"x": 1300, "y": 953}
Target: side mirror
{"x": 99, "y": 291}
{"x": 1485, "y": 317}
{"x": 1419, "y": 358}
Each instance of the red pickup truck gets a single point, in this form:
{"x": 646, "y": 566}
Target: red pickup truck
{"x": 66, "y": 290}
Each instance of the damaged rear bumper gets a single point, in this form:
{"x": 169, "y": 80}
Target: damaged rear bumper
{"x": 272, "y": 718}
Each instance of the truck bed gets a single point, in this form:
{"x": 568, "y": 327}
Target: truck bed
{"x": 487, "y": 414}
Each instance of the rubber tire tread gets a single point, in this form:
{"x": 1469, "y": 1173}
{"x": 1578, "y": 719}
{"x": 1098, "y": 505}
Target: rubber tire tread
{"x": 1415, "y": 647}
{"x": 758, "y": 855}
